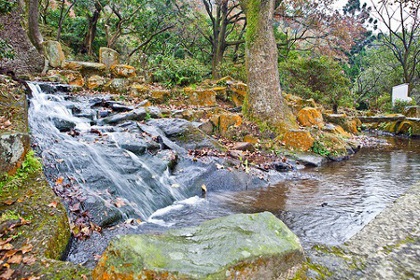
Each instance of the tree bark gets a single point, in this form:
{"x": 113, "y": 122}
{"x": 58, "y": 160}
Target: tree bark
{"x": 33, "y": 28}
{"x": 264, "y": 102}
{"x": 91, "y": 32}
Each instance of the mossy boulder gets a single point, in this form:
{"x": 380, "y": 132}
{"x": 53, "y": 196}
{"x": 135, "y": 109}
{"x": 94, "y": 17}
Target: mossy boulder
{"x": 70, "y": 77}
{"x": 95, "y": 82}
{"x": 86, "y": 68}
{"x": 54, "y": 53}
{"x": 200, "y": 97}
{"x": 298, "y": 139}
{"x": 409, "y": 127}
{"x": 44, "y": 232}
{"x": 255, "y": 246}
{"x": 117, "y": 86}
{"x": 139, "y": 90}
{"x": 108, "y": 56}
{"x": 160, "y": 95}
{"x": 123, "y": 71}
{"x": 224, "y": 121}
{"x": 310, "y": 117}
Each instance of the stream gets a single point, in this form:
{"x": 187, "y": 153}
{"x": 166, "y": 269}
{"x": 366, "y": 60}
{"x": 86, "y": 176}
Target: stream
{"x": 122, "y": 174}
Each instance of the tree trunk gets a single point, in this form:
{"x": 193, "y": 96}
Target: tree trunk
{"x": 33, "y": 29}
{"x": 264, "y": 102}
{"x": 91, "y": 32}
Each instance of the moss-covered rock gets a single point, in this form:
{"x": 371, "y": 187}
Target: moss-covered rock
{"x": 70, "y": 77}
{"x": 123, "y": 71}
{"x": 256, "y": 246}
{"x": 201, "y": 97}
{"x": 310, "y": 117}
{"x": 108, "y": 56}
{"x": 223, "y": 122}
{"x": 95, "y": 82}
{"x": 43, "y": 232}
{"x": 54, "y": 53}
{"x": 409, "y": 127}
{"x": 298, "y": 139}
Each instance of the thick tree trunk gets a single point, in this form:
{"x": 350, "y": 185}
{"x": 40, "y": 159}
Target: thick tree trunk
{"x": 264, "y": 102}
{"x": 33, "y": 29}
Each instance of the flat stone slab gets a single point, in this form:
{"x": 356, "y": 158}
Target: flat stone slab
{"x": 382, "y": 119}
{"x": 254, "y": 246}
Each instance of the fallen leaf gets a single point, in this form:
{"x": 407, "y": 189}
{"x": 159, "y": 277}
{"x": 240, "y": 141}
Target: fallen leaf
{"x": 53, "y": 204}
{"x": 26, "y": 248}
{"x": 2, "y": 242}
{"x": 9, "y": 202}
{"x": 59, "y": 181}
{"x": 7, "y": 274}
{"x": 16, "y": 259}
{"x": 29, "y": 260}
{"x": 7, "y": 246}
{"x": 7, "y": 123}
{"x": 96, "y": 257}
{"x": 21, "y": 199}
{"x": 32, "y": 278}
{"x": 84, "y": 277}
{"x": 10, "y": 253}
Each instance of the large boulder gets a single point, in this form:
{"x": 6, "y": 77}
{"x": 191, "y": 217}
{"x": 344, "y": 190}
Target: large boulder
{"x": 70, "y": 77}
{"x": 109, "y": 57}
{"x": 300, "y": 140}
{"x": 201, "y": 97}
{"x": 255, "y": 246}
{"x": 310, "y": 117}
{"x": 85, "y": 68}
{"x": 54, "y": 53}
{"x": 226, "y": 120}
{"x": 123, "y": 71}
{"x": 409, "y": 127}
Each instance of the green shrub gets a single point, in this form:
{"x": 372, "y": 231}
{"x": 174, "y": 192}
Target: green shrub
{"x": 401, "y": 104}
{"x": 319, "y": 78}
{"x": 171, "y": 71}
{"x": 236, "y": 71}
{"x": 6, "y": 6}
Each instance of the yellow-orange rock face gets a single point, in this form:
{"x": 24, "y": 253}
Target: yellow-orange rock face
{"x": 160, "y": 96}
{"x": 310, "y": 117}
{"x": 73, "y": 78}
{"x": 201, "y": 97}
{"x": 298, "y": 140}
{"x": 123, "y": 71}
{"x": 224, "y": 121}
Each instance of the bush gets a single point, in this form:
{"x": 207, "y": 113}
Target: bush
{"x": 321, "y": 78}
{"x": 236, "y": 71}
{"x": 171, "y": 71}
{"x": 401, "y": 104}
{"x": 6, "y": 6}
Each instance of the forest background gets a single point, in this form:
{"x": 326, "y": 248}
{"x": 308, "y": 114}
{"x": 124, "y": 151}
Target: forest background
{"x": 338, "y": 57}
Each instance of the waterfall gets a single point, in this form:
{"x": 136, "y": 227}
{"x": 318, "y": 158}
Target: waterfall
{"x": 115, "y": 183}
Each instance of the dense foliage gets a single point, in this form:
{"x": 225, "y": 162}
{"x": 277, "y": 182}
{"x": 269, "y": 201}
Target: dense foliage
{"x": 351, "y": 56}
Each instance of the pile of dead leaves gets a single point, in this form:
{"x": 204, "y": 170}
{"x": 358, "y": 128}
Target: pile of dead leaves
{"x": 81, "y": 224}
{"x": 11, "y": 256}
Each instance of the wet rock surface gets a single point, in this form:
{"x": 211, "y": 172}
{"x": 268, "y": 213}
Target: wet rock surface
{"x": 386, "y": 248}
{"x": 256, "y": 246}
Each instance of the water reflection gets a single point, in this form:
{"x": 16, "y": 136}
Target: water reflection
{"x": 342, "y": 197}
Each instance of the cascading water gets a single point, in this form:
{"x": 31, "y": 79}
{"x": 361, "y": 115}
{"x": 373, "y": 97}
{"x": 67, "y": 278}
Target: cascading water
{"x": 120, "y": 171}
{"x": 115, "y": 181}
